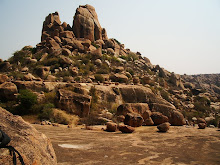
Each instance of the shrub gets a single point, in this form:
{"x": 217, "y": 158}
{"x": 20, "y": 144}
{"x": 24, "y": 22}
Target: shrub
{"x": 27, "y": 99}
{"x": 99, "y": 77}
{"x": 50, "y": 97}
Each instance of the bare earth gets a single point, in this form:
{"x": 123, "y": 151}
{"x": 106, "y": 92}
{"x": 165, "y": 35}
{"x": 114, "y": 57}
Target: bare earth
{"x": 180, "y": 145}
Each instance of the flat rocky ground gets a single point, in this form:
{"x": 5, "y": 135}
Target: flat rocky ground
{"x": 181, "y": 145}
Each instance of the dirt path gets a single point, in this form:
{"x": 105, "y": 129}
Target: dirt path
{"x": 180, "y": 145}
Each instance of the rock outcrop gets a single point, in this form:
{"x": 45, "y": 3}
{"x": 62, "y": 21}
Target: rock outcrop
{"x": 74, "y": 103}
{"x": 34, "y": 147}
{"x": 8, "y": 91}
{"x": 86, "y": 24}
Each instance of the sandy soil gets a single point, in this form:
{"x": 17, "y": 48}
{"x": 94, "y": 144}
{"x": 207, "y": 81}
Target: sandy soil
{"x": 180, "y": 145}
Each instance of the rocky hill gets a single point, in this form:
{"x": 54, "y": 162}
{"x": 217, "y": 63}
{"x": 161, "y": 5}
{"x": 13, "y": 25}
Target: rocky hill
{"x": 77, "y": 70}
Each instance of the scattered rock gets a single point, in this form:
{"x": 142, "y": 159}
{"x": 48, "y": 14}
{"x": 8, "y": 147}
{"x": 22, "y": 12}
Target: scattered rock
{"x": 202, "y": 125}
{"x": 148, "y": 122}
{"x": 111, "y": 127}
{"x": 125, "y": 128}
{"x": 164, "y": 127}
{"x": 3, "y": 78}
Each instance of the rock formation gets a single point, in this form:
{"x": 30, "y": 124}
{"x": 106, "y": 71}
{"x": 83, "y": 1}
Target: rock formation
{"x": 86, "y": 24}
{"x": 34, "y": 147}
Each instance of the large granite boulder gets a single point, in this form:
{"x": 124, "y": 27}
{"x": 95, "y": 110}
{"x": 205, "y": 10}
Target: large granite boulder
{"x": 175, "y": 117}
{"x": 73, "y": 103}
{"x": 86, "y": 24}
{"x": 34, "y": 147}
{"x": 8, "y": 91}
{"x": 3, "y": 78}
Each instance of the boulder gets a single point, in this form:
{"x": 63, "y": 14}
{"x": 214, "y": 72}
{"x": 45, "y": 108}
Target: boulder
{"x": 138, "y": 108}
{"x": 200, "y": 120}
{"x": 134, "y": 120}
{"x": 111, "y": 127}
{"x": 51, "y": 26}
{"x": 3, "y": 78}
{"x": 86, "y": 24}
{"x": 5, "y": 66}
{"x": 125, "y": 128}
{"x": 66, "y": 52}
{"x": 110, "y": 51}
{"x": 8, "y": 91}
{"x": 96, "y": 53}
{"x": 34, "y": 147}
{"x": 51, "y": 43}
{"x": 73, "y": 103}
{"x": 36, "y": 86}
{"x": 175, "y": 117}
{"x": 29, "y": 77}
{"x": 148, "y": 122}
{"x": 158, "y": 118}
{"x": 66, "y": 34}
{"x": 175, "y": 79}
{"x": 202, "y": 125}
{"x": 65, "y": 60}
{"x": 164, "y": 127}
{"x": 121, "y": 78}
{"x": 104, "y": 34}
{"x": 43, "y": 71}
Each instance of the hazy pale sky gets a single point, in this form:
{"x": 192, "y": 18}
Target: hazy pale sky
{"x": 182, "y": 36}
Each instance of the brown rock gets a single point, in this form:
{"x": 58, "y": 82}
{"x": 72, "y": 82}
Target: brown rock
{"x": 52, "y": 22}
{"x": 125, "y": 128}
{"x": 110, "y": 51}
{"x": 202, "y": 125}
{"x": 67, "y": 34}
{"x": 175, "y": 117}
{"x": 8, "y": 91}
{"x": 86, "y": 24}
{"x": 29, "y": 77}
{"x": 51, "y": 43}
{"x": 5, "y": 66}
{"x": 104, "y": 34}
{"x": 120, "y": 118}
{"x": 111, "y": 127}
{"x": 3, "y": 78}
{"x": 158, "y": 118}
{"x": 134, "y": 120}
{"x": 136, "y": 80}
{"x": 34, "y": 147}
{"x": 66, "y": 52}
{"x": 164, "y": 127}
{"x": 43, "y": 71}
{"x": 201, "y": 120}
{"x": 57, "y": 39}
{"x": 138, "y": 108}
{"x": 37, "y": 86}
{"x": 121, "y": 78}
{"x": 65, "y": 60}
{"x": 96, "y": 53}
{"x": 74, "y": 71}
{"x": 73, "y": 102}
{"x": 148, "y": 122}
{"x": 175, "y": 79}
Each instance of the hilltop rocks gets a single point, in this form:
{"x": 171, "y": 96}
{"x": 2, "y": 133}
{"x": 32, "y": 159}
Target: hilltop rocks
{"x": 8, "y": 91}
{"x": 73, "y": 102}
{"x": 86, "y": 24}
{"x": 119, "y": 78}
{"x": 43, "y": 71}
{"x": 175, "y": 79}
{"x": 35, "y": 147}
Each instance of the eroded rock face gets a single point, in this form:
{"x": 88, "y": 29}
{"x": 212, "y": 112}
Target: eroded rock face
{"x": 35, "y": 147}
{"x": 74, "y": 103}
{"x": 86, "y": 24}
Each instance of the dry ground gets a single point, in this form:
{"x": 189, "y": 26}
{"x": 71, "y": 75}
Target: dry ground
{"x": 180, "y": 145}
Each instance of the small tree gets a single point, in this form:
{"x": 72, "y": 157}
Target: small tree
{"x": 27, "y": 99}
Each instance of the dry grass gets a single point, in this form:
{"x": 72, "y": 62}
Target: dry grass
{"x": 31, "y": 119}
{"x": 62, "y": 117}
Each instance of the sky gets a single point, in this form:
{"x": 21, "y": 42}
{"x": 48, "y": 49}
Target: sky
{"x": 182, "y": 36}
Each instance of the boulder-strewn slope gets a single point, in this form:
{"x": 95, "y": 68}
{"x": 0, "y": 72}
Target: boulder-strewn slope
{"x": 81, "y": 71}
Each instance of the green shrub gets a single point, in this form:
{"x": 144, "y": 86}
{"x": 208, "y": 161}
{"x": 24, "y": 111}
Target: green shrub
{"x": 46, "y": 112}
{"x": 99, "y": 77}
{"x": 27, "y": 99}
